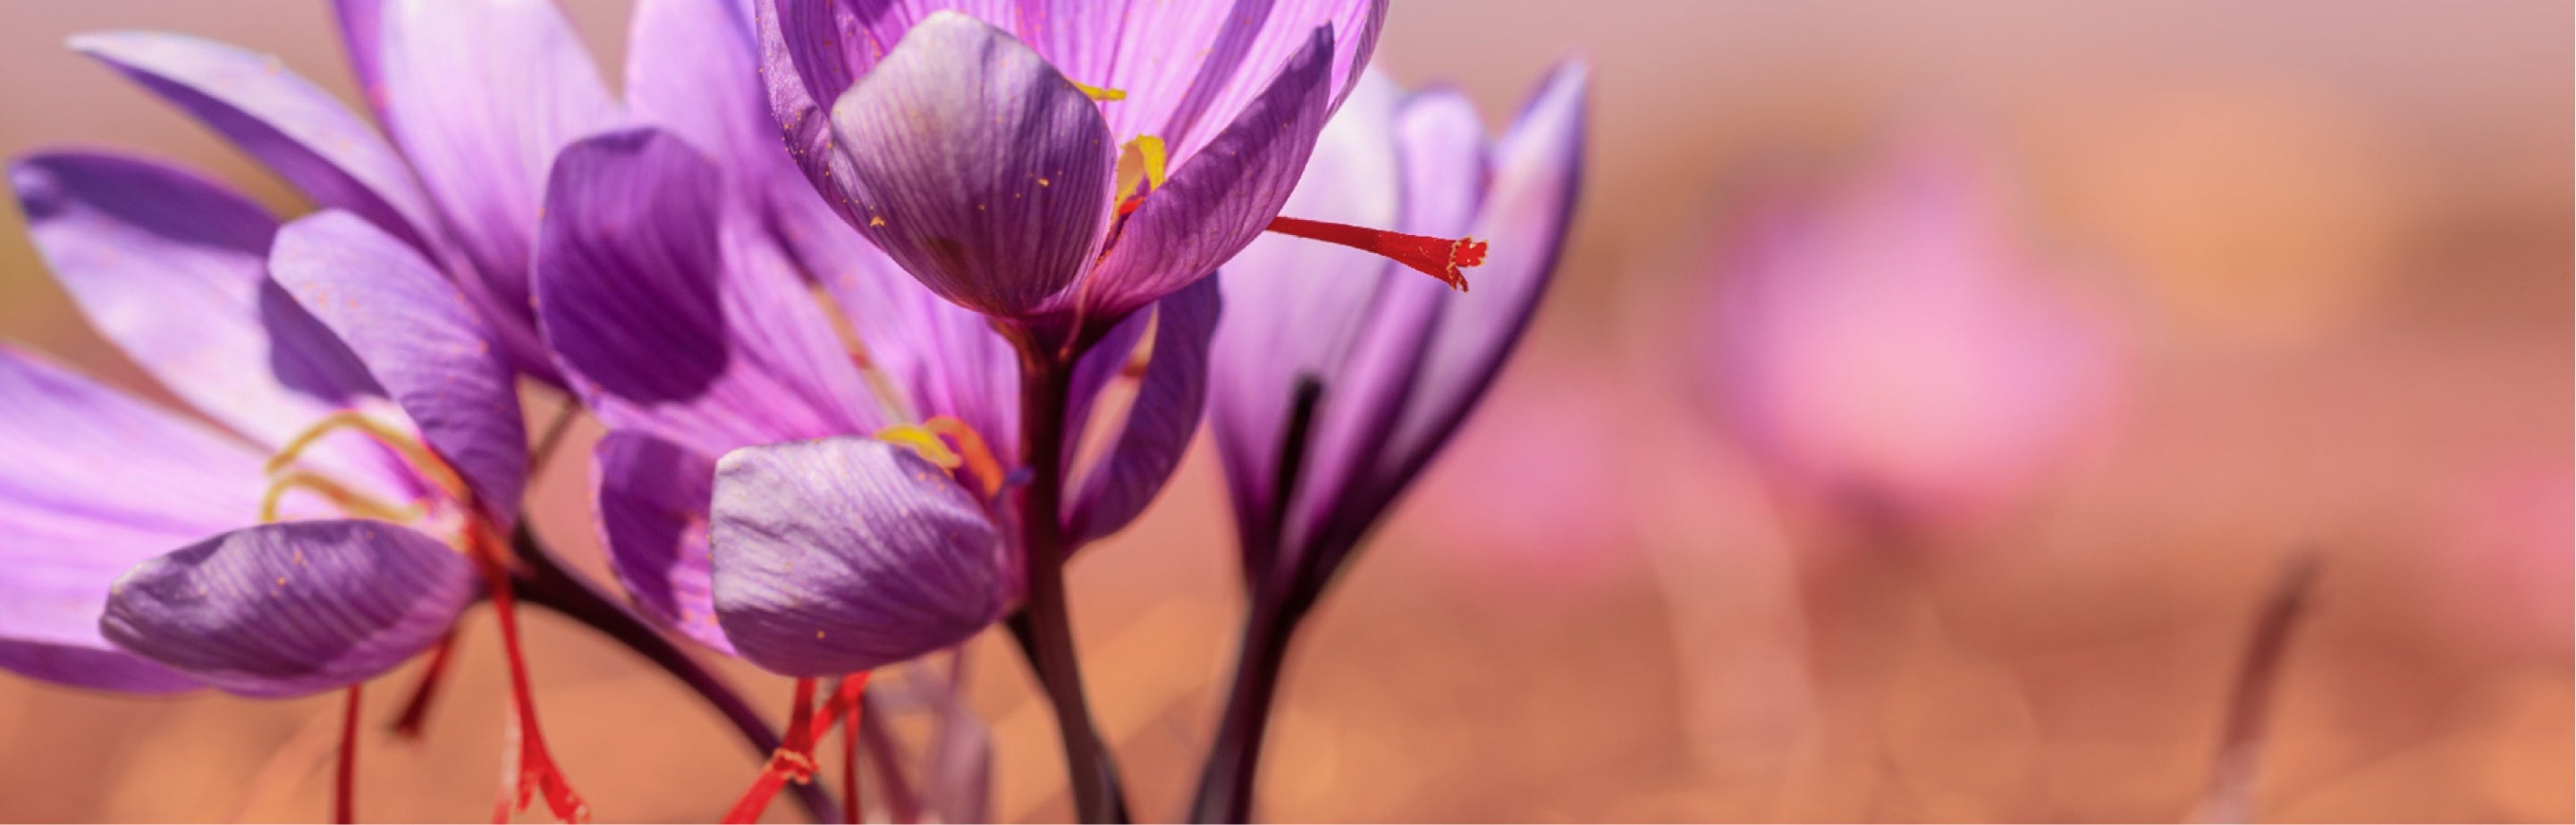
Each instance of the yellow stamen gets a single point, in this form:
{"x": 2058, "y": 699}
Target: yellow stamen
{"x": 1099, "y": 92}
{"x": 979, "y": 455}
{"x": 971, "y": 452}
{"x": 349, "y": 501}
{"x": 427, "y": 463}
{"x": 1141, "y": 160}
{"x": 922, "y": 441}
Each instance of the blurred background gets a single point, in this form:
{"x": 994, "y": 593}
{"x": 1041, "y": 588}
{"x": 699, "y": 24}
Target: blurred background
{"x": 1925, "y": 409}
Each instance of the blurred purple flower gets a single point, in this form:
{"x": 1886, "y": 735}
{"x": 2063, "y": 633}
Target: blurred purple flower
{"x": 1340, "y": 377}
{"x": 143, "y": 551}
{"x": 757, "y": 492}
{"x": 1005, "y": 156}
{"x": 1887, "y": 350}
{"x": 1391, "y": 363}
{"x": 477, "y": 95}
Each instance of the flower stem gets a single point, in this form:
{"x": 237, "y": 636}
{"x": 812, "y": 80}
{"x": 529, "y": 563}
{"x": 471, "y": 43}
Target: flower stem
{"x": 1045, "y": 382}
{"x": 2229, "y": 796}
{"x": 1278, "y": 602}
{"x": 344, "y": 787}
{"x": 1233, "y": 763}
{"x": 543, "y": 581}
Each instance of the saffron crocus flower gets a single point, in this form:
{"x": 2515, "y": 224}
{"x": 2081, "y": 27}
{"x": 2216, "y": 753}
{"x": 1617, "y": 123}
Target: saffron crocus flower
{"x": 854, "y": 528}
{"x": 1393, "y": 363}
{"x": 477, "y": 95}
{"x": 1339, "y": 377}
{"x": 1887, "y": 350}
{"x": 336, "y": 525}
{"x": 1058, "y": 166}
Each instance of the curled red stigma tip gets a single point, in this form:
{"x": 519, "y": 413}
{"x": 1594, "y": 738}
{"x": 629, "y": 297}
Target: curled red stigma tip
{"x": 1441, "y": 258}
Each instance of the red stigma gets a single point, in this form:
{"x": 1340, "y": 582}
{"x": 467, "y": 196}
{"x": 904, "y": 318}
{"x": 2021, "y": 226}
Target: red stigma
{"x": 1440, "y": 258}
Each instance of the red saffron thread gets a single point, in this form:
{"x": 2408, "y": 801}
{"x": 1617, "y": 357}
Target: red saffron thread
{"x": 344, "y": 790}
{"x": 1440, "y": 258}
{"x": 847, "y": 699}
{"x": 793, "y": 761}
{"x": 535, "y": 769}
{"x": 416, "y": 709}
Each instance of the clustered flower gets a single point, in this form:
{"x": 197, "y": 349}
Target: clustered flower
{"x": 847, "y": 283}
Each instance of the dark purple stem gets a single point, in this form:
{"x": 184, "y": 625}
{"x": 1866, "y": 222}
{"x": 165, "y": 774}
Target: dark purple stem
{"x": 1279, "y": 601}
{"x": 2230, "y": 795}
{"x": 1045, "y": 383}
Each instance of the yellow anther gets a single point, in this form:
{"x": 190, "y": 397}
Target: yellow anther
{"x": 427, "y": 463}
{"x": 923, "y": 442}
{"x": 1099, "y": 92}
{"x": 349, "y": 501}
{"x": 1141, "y": 160}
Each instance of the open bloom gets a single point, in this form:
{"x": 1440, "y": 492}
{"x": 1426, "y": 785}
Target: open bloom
{"x": 1887, "y": 348}
{"x": 1059, "y": 166}
{"x": 757, "y": 492}
{"x": 1338, "y": 376}
{"x": 231, "y": 557}
{"x": 477, "y": 95}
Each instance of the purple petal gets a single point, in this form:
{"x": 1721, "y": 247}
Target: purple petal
{"x": 362, "y": 26}
{"x": 481, "y": 94}
{"x": 1107, "y": 359}
{"x": 945, "y": 359}
{"x": 1303, "y": 302}
{"x": 847, "y": 554}
{"x": 70, "y": 523}
{"x": 976, "y": 166}
{"x": 673, "y": 312}
{"x": 1441, "y": 153}
{"x": 1159, "y": 423}
{"x": 173, "y": 268}
{"x": 299, "y": 130}
{"x": 290, "y": 609}
{"x": 692, "y": 68}
{"x": 1267, "y": 39}
{"x": 652, "y": 496}
{"x": 1220, "y": 200}
{"x": 1182, "y": 65}
{"x": 421, "y": 340}
{"x": 1537, "y": 172}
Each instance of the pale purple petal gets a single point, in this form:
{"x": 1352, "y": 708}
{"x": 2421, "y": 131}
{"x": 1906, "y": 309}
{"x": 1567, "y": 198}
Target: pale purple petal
{"x": 652, "y": 511}
{"x": 1441, "y": 152}
{"x": 847, "y": 554}
{"x": 1107, "y": 359}
{"x": 1245, "y": 60}
{"x": 1184, "y": 66}
{"x": 674, "y": 313}
{"x": 423, "y": 343}
{"x": 293, "y": 608}
{"x": 1159, "y": 424}
{"x": 1302, "y": 302}
{"x": 480, "y": 94}
{"x": 944, "y": 359}
{"x": 692, "y": 67}
{"x": 70, "y": 523}
{"x": 976, "y": 166}
{"x": 174, "y": 269}
{"x": 362, "y": 26}
{"x": 1220, "y": 200}
{"x": 293, "y": 126}
{"x": 1537, "y": 172}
